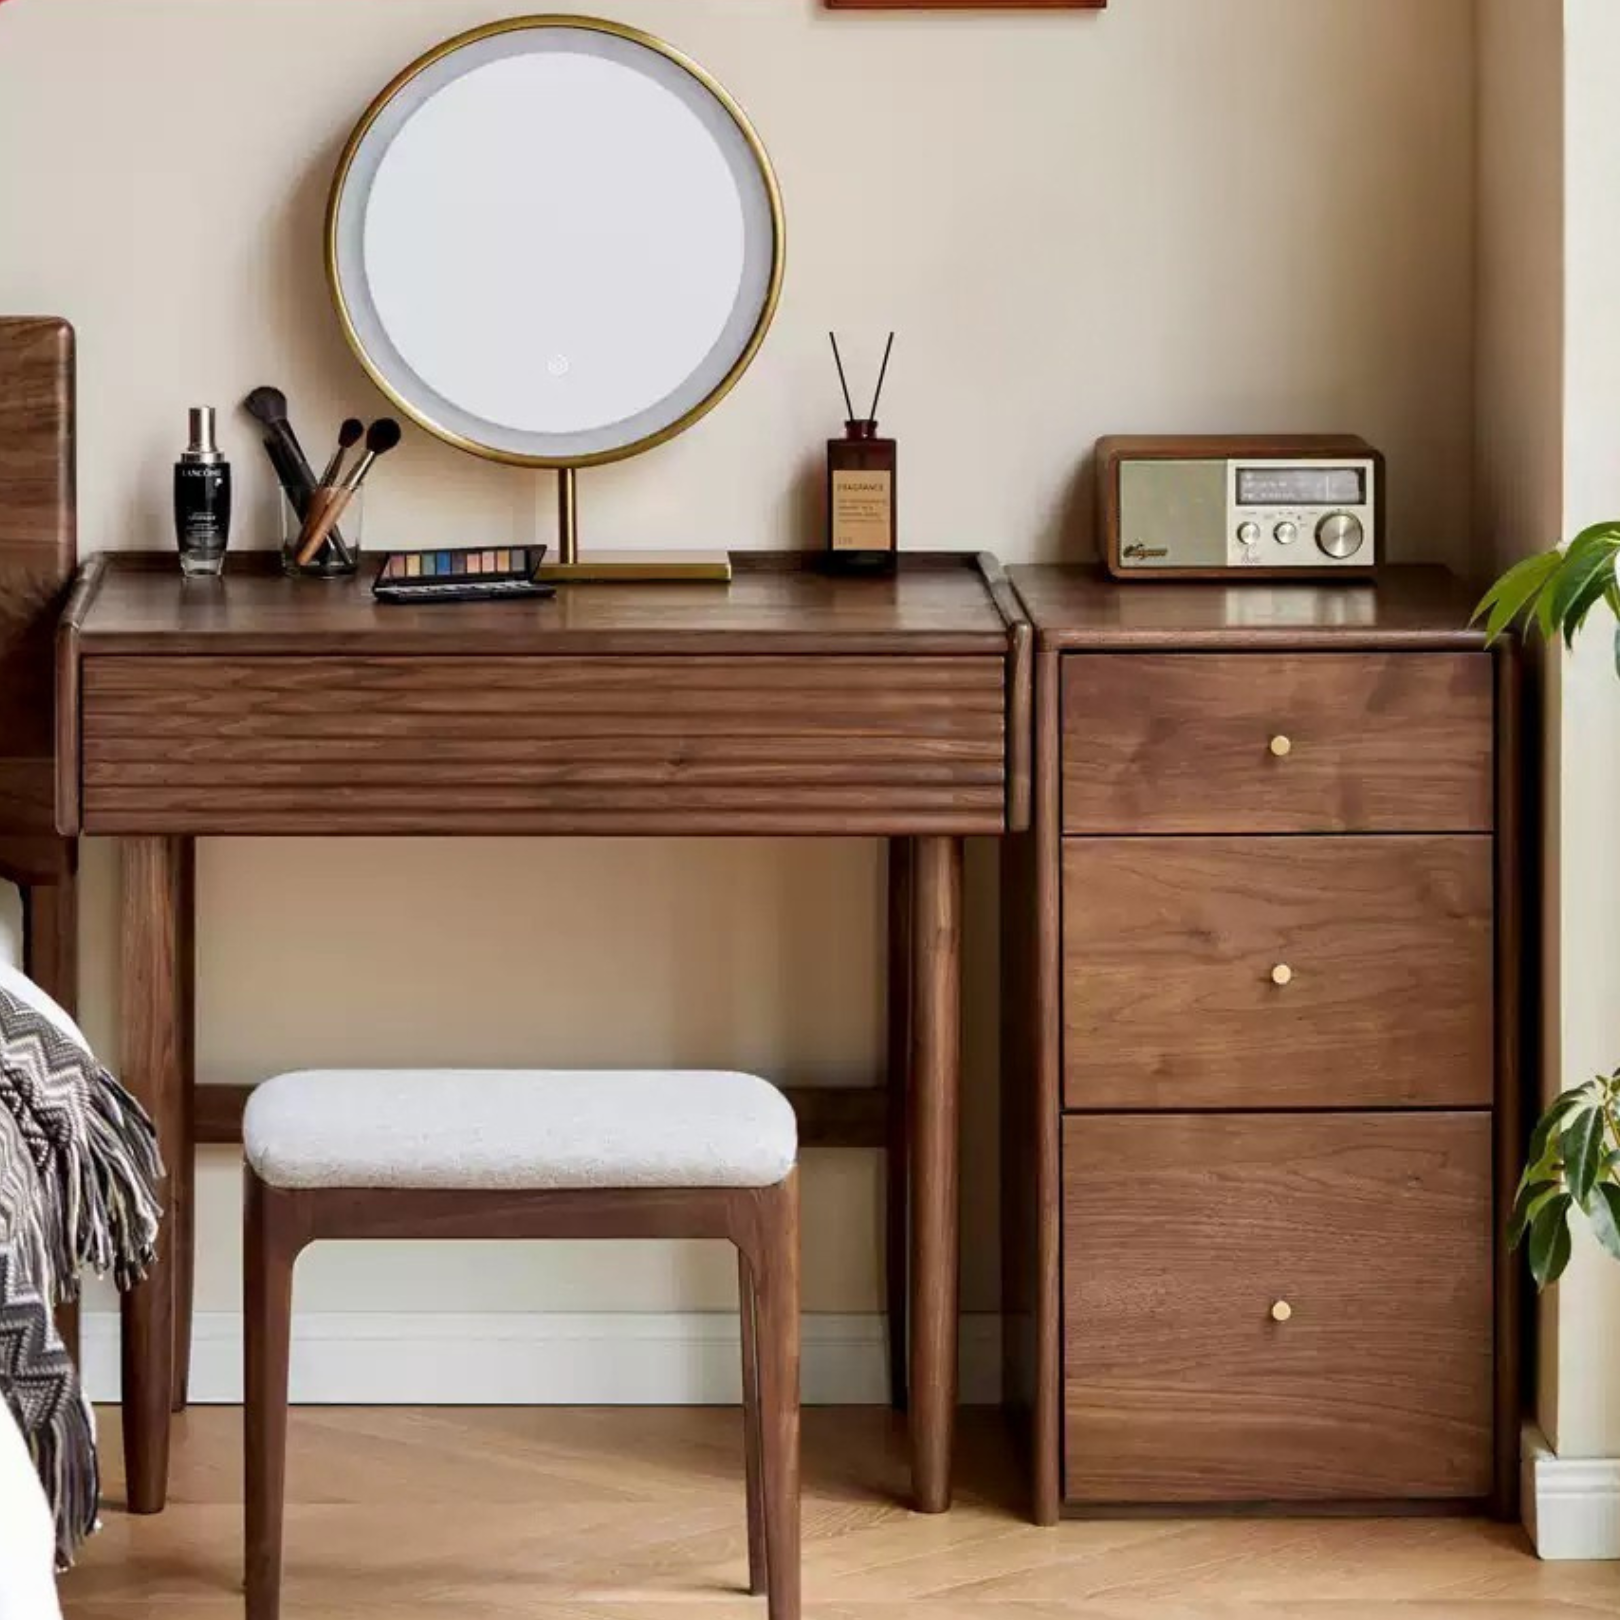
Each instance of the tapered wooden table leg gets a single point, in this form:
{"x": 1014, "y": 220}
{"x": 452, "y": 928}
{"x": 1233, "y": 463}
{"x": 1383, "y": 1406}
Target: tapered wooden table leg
{"x": 183, "y": 1164}
{"x": 897, "y": 1188}
{"x": 51, "y": 960}
{"x": 154, "y": 1006}
{"x": 936, "y": 943}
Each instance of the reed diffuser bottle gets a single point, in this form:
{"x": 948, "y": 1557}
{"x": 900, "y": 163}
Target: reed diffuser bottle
{"x": 862, "y": 532}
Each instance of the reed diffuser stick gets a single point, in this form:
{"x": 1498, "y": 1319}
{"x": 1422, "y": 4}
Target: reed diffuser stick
{"x": 843, "y": 381}
{"x": 883, "y": 372}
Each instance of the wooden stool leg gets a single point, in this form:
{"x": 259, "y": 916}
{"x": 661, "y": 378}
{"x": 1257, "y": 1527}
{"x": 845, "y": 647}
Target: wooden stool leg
{"x": 897, "y": 1188}
{"x": 271, "y": 1250}
{"x": 776, "y": 1293}
{"x": 752, "y": 1442}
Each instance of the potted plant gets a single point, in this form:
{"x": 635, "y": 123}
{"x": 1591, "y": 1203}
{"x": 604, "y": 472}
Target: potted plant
{"x": 1574, "y": 1157}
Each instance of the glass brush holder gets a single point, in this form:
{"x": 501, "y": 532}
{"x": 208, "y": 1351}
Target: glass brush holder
{"x": 337, "y": 557}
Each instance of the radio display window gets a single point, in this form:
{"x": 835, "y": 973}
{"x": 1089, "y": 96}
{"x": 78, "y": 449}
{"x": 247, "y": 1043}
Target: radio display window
{"x": 1301, "y": 486}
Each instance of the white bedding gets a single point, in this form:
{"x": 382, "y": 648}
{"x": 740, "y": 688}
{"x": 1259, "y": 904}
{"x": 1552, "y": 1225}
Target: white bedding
{"x": 27, "y": 1539}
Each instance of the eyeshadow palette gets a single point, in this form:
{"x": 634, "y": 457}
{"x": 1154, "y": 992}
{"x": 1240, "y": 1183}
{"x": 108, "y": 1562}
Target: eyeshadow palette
{"x": 483, "y": 574}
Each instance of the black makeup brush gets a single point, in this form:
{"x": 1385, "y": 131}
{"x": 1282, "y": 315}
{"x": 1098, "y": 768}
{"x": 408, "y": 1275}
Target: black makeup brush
{"x": 381, "y": 437}
{"x": 268, "y": 407}
{"x": 349, "y": 435}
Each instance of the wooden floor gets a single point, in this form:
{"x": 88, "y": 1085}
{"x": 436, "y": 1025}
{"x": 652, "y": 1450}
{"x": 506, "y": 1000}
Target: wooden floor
{"x": 590, "y": 1515}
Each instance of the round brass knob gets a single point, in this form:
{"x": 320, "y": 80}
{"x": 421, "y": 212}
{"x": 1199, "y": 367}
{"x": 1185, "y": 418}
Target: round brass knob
{"x": 1282, "y": 974}
{"x": 1282, "y": 1311}
{"x": 1282, "y": 747}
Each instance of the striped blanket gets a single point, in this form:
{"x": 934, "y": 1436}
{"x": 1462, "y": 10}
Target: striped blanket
{"x": 79, "y": 1174}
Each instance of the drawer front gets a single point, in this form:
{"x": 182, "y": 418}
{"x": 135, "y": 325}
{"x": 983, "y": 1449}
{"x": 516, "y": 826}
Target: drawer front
{"x": 1181, "y": 1234}
{"x": 543, "y": 745}
{"x": 1173, "y": 949}
{"x": 1375, "y": 742}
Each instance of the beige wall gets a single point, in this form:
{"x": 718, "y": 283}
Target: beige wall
{"x": 1171, "y": 216}
{"x": 1549, "y": 351}
{"x": 1587, "y": 1419}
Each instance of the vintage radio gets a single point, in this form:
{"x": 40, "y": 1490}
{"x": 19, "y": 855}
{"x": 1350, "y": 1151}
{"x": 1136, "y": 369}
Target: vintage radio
{"x": 1211, "y": 508}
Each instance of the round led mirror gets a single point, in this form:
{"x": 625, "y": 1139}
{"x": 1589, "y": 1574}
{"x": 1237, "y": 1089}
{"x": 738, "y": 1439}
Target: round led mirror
{"x": 555, "y": 241}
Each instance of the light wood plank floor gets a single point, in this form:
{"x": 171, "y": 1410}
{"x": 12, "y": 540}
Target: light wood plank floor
{"x": 592, "y": 1515}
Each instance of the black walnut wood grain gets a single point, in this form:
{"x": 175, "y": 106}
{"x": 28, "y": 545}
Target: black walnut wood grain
{"x": 1376, "y": 742}
{"x": 1180, "y": 1236}
{"x": 37, "y": 551}
{"x": 1172, "y": 947}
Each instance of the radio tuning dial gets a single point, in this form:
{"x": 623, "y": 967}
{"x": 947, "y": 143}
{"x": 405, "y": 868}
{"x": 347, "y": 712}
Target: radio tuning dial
{"x": 1249, "y": 534}
{"x": 1340, "y": 535}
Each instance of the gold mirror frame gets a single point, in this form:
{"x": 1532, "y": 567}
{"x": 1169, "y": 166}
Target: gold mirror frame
{"x": 567, "y": 564}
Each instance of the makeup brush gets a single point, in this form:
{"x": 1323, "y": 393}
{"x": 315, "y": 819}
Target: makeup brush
{"x": 349, "y": 435}
{"x": 381, "y": 437}
{"x": 268, "y": 407}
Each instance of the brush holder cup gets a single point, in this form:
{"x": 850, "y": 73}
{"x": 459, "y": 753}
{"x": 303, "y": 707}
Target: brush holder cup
{"x": 337, "y": 558}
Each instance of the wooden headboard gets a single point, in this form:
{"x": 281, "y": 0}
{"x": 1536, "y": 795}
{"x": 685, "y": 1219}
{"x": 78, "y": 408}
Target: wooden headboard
{"x": 38, "y": 553}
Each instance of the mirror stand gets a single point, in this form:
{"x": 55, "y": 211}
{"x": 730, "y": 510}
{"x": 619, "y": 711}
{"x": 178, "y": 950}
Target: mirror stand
{"x": 621, "y": 567}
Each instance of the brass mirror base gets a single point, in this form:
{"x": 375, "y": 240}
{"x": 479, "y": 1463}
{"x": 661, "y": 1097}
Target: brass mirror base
{"x": 640, "y": 567}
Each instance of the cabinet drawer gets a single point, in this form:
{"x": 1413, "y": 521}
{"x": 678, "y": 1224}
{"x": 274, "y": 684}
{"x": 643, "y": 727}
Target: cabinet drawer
{"x": 1375, "y": 742}
{"x": 1181, "y": 1233}
{"x": 1173, "y": 948}
{"x": 544, "y": 745}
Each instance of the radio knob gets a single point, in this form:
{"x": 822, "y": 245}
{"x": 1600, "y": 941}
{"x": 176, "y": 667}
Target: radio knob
{"x": 1249, "y": 534}
{"x": 1287, "y": 533}
{"x": 1340, "y": 535}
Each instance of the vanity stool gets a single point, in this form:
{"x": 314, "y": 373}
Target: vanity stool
{"x": 513, "y": 1154}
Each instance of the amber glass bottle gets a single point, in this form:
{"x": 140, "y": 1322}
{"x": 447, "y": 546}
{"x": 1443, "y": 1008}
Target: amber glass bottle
{"x": 862, "y": 533}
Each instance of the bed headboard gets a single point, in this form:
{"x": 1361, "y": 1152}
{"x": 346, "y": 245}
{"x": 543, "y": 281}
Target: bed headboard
{"x": 38, "y": 554}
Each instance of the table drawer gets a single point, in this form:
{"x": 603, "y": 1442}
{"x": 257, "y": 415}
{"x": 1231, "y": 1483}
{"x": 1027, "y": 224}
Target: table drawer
{"x": 544, "y": 745}
{"x": 1172, "y": 949}
{"x": 1183, "y": 743}
{"x": 1182, "y": 1232}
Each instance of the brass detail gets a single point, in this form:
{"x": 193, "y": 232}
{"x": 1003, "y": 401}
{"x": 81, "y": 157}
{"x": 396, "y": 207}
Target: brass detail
{"x": 1282, "y": 974}
{"x": 1282, "y": 747}
{"x": 1282, "y": 1311}
{"x": 641, "y": 567}
{"x": 567, "y": 515}
{"x": 636, "y": 36}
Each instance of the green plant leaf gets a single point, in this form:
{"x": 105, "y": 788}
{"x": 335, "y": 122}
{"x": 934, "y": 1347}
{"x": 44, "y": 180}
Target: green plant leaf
{"x": 1526, "y": 1206}
{"x": 1508, "y": 597}
{"x": 1608, "y": 529}
{"x": 1579, "y": 589}
{"x": 1583, "y": 1146}
{"x": 1544, "y": 1161}
{"x": 1549, "y": 1241}
{"x": 1604, "y": 1215}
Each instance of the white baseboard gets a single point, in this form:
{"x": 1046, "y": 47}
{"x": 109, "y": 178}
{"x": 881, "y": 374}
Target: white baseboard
{"x": 1571, "y": 1504}
{"x": 496, "y": 1359}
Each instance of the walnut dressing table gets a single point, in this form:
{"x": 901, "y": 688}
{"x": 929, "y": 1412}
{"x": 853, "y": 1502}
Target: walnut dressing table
{"x": 1262, "y": 1067}
{"x": 786, "y": 704}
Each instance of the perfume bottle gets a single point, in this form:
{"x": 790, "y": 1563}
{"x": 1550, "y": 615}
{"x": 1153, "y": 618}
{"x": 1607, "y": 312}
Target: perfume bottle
{"x": 862, "y": 531}
{"x": 202, "y": 500}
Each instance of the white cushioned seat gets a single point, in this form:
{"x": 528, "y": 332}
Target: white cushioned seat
{"x": 524, "y": 1130}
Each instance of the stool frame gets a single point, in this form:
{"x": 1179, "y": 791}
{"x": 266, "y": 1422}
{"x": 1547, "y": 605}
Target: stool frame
{"x": 762, "y": 1222}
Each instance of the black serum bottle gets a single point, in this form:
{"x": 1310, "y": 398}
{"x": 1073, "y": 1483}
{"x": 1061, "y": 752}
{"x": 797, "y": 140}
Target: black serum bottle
{"x": 202, "y": 500}
{"x": 862, "y": 531}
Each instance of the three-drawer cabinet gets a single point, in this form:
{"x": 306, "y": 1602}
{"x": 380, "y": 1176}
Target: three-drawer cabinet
{"x": 1260, "y": 1029}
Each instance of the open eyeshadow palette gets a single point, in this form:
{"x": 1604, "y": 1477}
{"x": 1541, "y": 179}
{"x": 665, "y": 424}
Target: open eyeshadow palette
{"x": 484, "y": 574}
